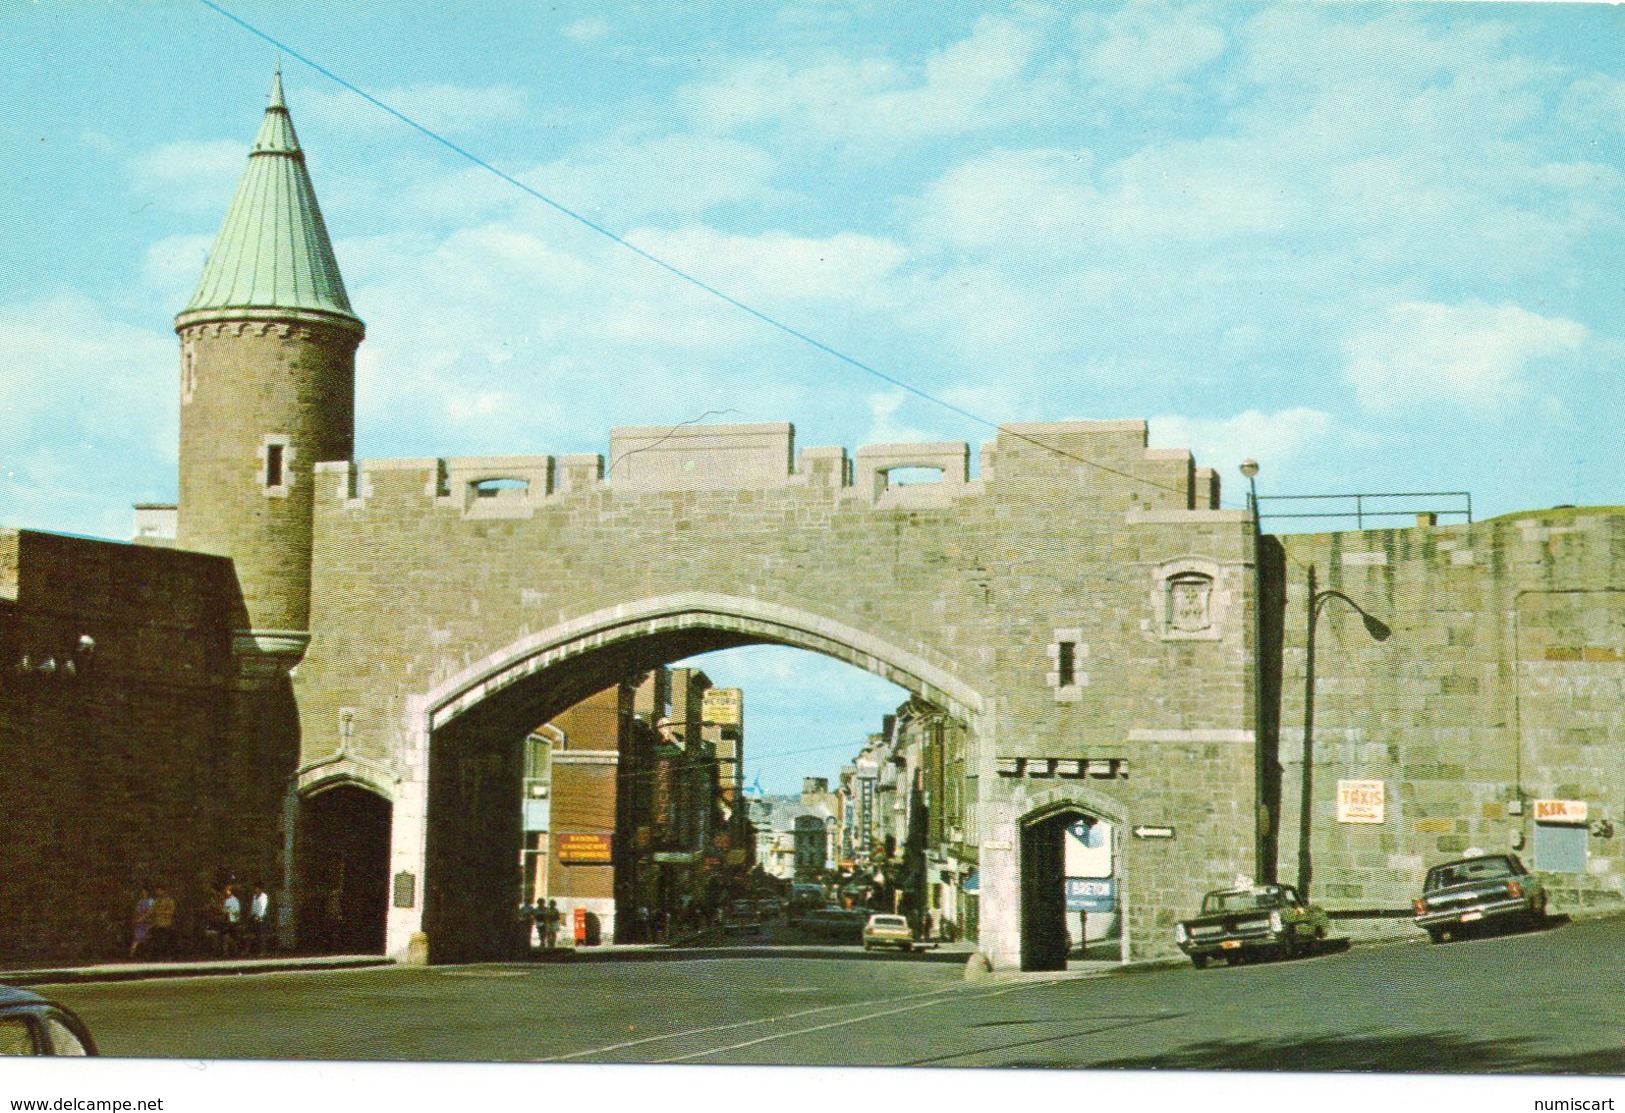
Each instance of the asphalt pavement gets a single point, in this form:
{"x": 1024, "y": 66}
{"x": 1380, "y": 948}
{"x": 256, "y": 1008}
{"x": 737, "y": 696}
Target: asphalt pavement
{"x": 1534, "y": 1002}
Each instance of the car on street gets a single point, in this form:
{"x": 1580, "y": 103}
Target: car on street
{"x": 1250, "y": 921}
{"x": 1470, "y": 892}
{"x": 887, "y": 930}
{"x": 32, "y": 1025}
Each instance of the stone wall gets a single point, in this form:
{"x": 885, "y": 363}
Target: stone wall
{"x": 139, "y": 764}
{"x": 443, "y": 586}
{"x": 1503, "y": 684}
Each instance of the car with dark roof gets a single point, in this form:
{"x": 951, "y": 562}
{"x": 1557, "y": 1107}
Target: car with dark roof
{"x": 1483, "y": 889}
{"x": 35, "y": 1025}
{"x": 1251, "y": 920}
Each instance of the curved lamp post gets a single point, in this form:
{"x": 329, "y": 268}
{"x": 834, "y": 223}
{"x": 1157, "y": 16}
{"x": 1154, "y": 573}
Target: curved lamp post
{"x": 1378, "y": 630}
{"x": 1261, "y": 812}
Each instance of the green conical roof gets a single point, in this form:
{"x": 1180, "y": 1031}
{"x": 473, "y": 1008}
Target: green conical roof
{"x": 272, "y": 252}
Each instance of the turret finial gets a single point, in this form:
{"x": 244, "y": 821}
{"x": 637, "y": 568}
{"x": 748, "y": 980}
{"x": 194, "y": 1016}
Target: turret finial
{"x": 276, "y": 88}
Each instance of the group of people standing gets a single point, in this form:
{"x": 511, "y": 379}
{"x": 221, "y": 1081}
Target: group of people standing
{"x": 229, "y": 926}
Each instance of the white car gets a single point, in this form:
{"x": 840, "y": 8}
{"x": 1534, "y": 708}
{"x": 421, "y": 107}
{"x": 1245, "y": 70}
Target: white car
{"x": 887, "y": 930}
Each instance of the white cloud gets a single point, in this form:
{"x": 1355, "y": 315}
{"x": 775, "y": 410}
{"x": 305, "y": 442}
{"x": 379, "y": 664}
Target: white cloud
{"x": 83, "y": 396}
{"x": 1275, "y": 440}
{"x": 191, "y": 175}
{"x": 443, "y": 107}
{"x": 585, "y": 30}
{"x": 984, "y": 80}
{"x": 172, "y": 265}
{"x": 1475, "y": 355}
{"x": 775, "y": 267}
{"x": 884, "y": 425}
{"x": 683, "y": 175}
{"x": 1146, "y": 48}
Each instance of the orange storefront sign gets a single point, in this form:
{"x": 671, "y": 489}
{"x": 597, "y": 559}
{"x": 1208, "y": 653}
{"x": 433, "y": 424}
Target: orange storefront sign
{"x": 584, "y": 850}
{"x": 1560, "y": 811}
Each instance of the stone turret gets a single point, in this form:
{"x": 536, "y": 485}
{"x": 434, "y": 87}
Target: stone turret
{"x": 268, "y": 346}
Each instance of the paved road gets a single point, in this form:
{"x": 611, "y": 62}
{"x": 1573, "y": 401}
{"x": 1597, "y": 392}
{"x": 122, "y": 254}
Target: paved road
{"x": 1540, "y": 1002}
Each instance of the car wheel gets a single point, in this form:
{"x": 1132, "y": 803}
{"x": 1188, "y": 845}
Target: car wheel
{"x": 867, "y": 947}
{"x": 1199, "y": 961}
{"x": 1537, "y": 915}
{"x": 1437, "y": 936}
{"x": 1235, "y": 960}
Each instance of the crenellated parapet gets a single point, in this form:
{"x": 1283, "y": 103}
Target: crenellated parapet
{"x": 1104, "y": 462}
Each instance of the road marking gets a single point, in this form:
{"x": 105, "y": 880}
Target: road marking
{"x": 941, "y": 1000}
{"x": 746, "y": 1024}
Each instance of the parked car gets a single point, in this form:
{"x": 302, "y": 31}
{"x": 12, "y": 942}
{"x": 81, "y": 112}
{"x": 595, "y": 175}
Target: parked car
{"x": 1251, "y": 920}
{"x": 887, "y": 930}
{"x": 33, "y": 1025}
{"x": 833, "y": 924}
{"x": 1489, "y": 888}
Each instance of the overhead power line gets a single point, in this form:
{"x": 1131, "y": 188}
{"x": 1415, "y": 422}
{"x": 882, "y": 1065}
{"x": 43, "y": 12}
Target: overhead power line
{"x": 673, "y": 269}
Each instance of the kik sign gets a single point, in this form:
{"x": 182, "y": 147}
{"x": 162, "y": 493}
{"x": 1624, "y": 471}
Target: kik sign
{"x": 1560, "y": 811}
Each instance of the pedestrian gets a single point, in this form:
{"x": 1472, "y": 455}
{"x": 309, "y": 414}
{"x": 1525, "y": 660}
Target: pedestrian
{"x": 163, "y": 923}
{"x": 550, "y": 925}
{"x": 141, "y": 922}
{"x": 259, "y": 918}
{"x": 231, "y": 922}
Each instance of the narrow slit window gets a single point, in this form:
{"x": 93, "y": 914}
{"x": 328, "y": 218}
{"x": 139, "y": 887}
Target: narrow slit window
{"x": 1066, "y": 664}
{"x": 273, "y": 465}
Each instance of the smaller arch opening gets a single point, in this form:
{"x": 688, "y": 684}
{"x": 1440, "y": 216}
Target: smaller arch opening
{"x": 500, "y": 487}
{"x": 912, "y": 476}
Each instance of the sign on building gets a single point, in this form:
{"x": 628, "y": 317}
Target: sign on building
{"x": 1088, "y": 849}
{"x": 586, "y": 850}
{"x": 1560, "y": 811}
{"x": 724, "y": 707}
{"x": 1091, "y": 894}
{"x": 1360, "y": 801}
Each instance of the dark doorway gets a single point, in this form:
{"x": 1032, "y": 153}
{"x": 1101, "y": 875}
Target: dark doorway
{"x": 1044, "y": 939}
{"x": 343, "y": 856}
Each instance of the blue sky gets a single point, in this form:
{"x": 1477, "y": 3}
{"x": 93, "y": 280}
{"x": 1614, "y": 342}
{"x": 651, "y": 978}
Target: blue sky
{"x": 1375, "y": 247}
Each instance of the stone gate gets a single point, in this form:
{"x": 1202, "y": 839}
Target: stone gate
{"x": 1080, "y": 606}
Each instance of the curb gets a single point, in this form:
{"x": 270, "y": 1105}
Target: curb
{"x": 137, "y": 973}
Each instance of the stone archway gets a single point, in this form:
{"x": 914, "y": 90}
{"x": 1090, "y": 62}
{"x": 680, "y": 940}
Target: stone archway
{"x": 465, "y": 908}
{"x": 1039, "y": 920}
{"x": 342, "y": 851}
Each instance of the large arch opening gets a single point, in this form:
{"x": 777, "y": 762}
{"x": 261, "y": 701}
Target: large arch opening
{"x": 480, "y": 859}
{"x": 343, "y": 852}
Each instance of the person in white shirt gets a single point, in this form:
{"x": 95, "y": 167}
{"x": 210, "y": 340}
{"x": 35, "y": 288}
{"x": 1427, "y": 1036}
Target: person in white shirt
{"x": 259, "y": 918}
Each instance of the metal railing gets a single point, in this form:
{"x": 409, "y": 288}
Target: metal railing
{"x": 1377, "y": 507}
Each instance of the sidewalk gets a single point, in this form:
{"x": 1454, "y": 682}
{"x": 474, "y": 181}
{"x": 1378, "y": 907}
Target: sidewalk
{"x": 136, "y": 971}
{"x": 1362, "y": 931}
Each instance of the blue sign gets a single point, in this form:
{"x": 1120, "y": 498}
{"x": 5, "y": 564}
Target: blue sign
{"x": 1091, "y": 894}
{"x": 1091, "y": 834}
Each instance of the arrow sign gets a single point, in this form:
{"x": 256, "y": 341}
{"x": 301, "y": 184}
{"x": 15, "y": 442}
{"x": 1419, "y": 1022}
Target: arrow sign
{"x": 1153, "y": 832}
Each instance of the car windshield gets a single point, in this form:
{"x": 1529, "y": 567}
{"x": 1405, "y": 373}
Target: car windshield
{"x": 1247, "y": 900}
{"x": 888, "y": 922}
{"x": 1474, "y": 869}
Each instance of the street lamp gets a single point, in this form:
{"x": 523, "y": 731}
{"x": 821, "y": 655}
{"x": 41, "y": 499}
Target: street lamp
{"x": 1261, "y": 816}
{"x": 1380, "y": 631}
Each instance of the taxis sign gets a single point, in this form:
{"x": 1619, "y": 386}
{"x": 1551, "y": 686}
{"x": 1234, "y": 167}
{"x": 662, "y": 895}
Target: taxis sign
{"x": 1360, "y": 801}
{"x": 1560, "y": 811}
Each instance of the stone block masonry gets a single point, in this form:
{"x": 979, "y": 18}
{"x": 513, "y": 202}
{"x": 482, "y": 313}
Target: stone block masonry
{"x": 496, "y": 590}
{"x": 1503, "y": 683}
{"x": 130, "y": 753}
